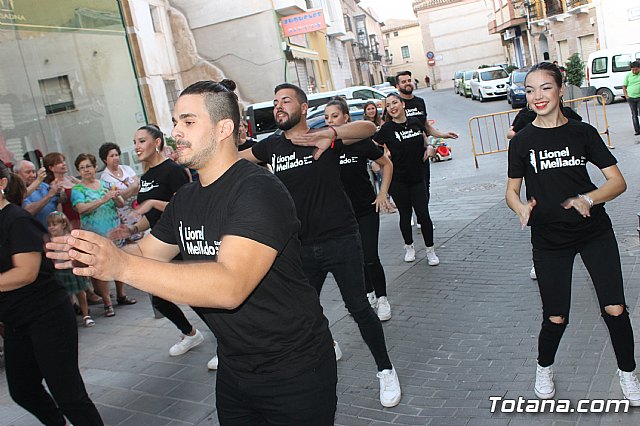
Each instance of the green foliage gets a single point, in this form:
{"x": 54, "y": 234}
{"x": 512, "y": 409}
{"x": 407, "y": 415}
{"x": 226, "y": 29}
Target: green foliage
{"x": 168, "y": 140}
{"x": 484, "y": 66}
{"x": 575, "y": 70}
{"x": 510, "y": 68}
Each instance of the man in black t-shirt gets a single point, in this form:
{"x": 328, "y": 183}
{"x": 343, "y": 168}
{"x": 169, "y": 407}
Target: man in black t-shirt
{"x": 329, "y": 234}
{"x": 237, "y": 231}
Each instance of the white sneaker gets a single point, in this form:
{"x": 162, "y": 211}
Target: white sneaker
{"x": 187, "y": 343}
{"x": 390, "y": 392}
{"x": 410, "y": 255}
{"x": 431, "y": 256}
{"x": 413, "y": 222}
{"x": 419, "y": 226}
{"x": 544, "y": 388}
{"x": 532, "y": 273}
{"x": 372, "y": 299}
{"x": 630, "y": 387}
{"x": 213, "y": 363}
{"x": 384, "y": 309}
{"x": 336, "y": 349}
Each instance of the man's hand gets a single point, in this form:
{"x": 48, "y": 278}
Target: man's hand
{"x": 451, "y": 135}
{"x": 42, "y": 174}
{"x": 321, "y": 139}
{"x": 98, "y": 256}
{"x": 382, "y": 203}
{"x": 144, "y": 207}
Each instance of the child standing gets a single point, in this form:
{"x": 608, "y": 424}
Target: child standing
{"x": 59, "y": 225}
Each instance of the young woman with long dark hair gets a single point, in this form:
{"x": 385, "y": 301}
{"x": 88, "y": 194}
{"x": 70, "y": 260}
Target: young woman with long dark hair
{"x": 565, "y": 211}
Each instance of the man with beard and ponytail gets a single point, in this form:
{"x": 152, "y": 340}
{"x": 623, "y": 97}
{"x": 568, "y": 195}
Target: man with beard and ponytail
{"x": 308, "y": 163}
{"x": 237, "y": 231}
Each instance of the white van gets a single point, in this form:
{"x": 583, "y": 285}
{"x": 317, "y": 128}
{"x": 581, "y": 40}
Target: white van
{"x": 260, "y": 115}
{"x": 607, "y": 68}
{"x": 489, "y": 82}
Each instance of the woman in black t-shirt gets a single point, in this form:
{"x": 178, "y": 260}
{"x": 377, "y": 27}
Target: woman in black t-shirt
{"x": 566, "y": 213}
{"x": 41, "y": 335}
{"x": 163, "y": 177}
{"x": 366, "y": 204}
{"x": 406, "y": 139}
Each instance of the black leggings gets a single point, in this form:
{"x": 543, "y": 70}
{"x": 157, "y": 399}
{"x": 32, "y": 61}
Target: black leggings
{"x": 554, "y": 269}
{"x": 173, "y": 313}
{"x": 47, "y": 348}
{"x": 408, "y": 196}
{"x": 374, "y": 278}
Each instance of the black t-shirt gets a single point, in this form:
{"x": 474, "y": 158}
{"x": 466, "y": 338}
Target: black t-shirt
{"x": 354, "y": 172}
{"x": 415, "y": 107}
{"x": 160, "y": 183}
{"x": 553, "y": 164}
{"x": 323, "y": 207}
{"x": 21, "y": 233}
{"x": 406, "y": 143}
{"x": 526, "y": 116}
{"x": 280, "y": 326}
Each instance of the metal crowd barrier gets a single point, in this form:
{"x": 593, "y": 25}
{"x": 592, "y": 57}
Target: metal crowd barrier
{"x": 489, "y": 131}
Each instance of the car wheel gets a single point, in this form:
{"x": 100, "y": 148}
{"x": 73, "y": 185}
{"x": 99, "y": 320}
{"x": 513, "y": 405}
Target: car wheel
{"x": 480, "y": 97}
{"x": 508, "y": 100}
{"x": 606, "y": 94}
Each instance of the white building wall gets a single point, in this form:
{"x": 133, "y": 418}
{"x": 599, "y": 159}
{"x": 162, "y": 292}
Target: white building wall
{"x": 339, "y": 64}
{"x": 618, "y": 22}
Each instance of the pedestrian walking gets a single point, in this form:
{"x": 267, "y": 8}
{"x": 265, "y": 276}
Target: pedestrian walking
{"x": 631, "y": 89}
{"x": 566, "y": 213}
{"x": 40, "y": 332}
{"x": 354, "y": 174}
{"x": 406, "y": 139}
{"x": 236, "y": 229}
{"x": 329, "y": 230}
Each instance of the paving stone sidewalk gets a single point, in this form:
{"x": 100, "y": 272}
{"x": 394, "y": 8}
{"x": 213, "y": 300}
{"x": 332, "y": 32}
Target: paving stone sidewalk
{"x": 461, "y": 332}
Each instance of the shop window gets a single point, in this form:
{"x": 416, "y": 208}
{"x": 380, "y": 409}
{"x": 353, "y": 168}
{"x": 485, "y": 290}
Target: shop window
{"x": 57, "y": 95}
{"x": 405, "y": 52}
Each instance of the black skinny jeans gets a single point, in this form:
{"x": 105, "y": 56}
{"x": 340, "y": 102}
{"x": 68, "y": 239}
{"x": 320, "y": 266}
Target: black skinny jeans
{"x": 408, "y": 197}
{"x": 343, "y": 258}
{"x": 374, "y": 279}
{"x": 554, "y": 269}
{"x": 173, "y": 313}
{"x": 47, "y": 348}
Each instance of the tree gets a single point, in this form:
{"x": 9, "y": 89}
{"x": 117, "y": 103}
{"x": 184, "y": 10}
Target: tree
{"x": 575, "y": 70}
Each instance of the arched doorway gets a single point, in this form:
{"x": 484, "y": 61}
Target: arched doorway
{"x": 543, "y": 47}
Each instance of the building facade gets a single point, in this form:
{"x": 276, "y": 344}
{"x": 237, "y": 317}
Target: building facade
{"x": 456, "y": 32}
{"x": 403, "y": 48}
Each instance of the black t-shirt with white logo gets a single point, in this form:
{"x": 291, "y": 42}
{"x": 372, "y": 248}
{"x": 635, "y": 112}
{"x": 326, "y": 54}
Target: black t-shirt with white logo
{"x": 279, "y": 329}
{"x": 552, "y": 162}
{"x": 415, "y": 107}
{"x": 354, "y": 172}
{"x": 160, "y": 183}
{"x": 323, "y": 207}
{"x": 20, "y": 232}
{"x": 406, "y": 143}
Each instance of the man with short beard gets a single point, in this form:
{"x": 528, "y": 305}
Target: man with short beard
{"x": 41, "y": 198}
{"x": 329, "y": 230}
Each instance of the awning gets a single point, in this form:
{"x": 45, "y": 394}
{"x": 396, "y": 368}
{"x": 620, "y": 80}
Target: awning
{"x": 304, "y": 53}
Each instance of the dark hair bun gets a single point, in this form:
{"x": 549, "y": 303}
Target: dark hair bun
{"x": 229, "y": 84}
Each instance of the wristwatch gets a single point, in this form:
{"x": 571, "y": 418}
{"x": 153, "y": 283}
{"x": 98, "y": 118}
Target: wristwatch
{"x": 587, "y": 198}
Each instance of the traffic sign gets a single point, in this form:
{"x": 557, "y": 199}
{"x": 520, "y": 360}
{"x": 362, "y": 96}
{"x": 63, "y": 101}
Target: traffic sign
{"x": 431, "y": 62}
{"x": 430, "y": 55}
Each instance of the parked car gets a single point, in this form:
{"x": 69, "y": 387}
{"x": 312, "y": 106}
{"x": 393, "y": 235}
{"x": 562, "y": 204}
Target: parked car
{"x": 607, "y": 68}
{"x": 489, "y": 82}
{"x": 260, "y": 115}
{"x": 516, "y": 94}
{"x": 318, "y": 122}
{"x": 465, "y": 84}
{"x": 457, "y": 81}
{"x": 354, "y": 105}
